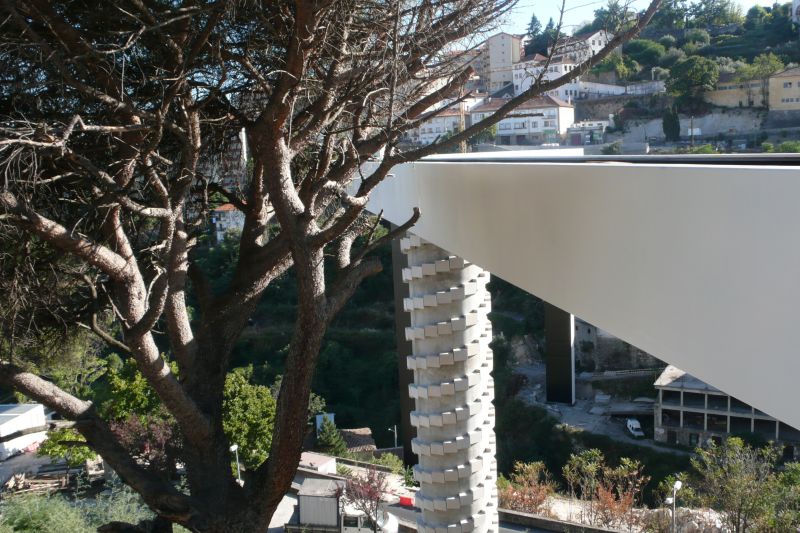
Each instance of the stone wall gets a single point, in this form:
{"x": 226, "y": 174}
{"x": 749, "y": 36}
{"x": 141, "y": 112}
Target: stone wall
{"x": 598, "y": 351}
{"x": 600, "y": 108}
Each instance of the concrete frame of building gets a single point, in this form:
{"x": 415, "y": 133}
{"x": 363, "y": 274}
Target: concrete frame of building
{"x": 453, "y": 390}
{"x": 692, "y": 417}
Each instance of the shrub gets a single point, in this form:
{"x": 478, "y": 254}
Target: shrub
{"x": 667, "y": 41}
{"x": 528, "y": 489}
{"x": 698, "y": 35}
{"x": 672, "y": 56}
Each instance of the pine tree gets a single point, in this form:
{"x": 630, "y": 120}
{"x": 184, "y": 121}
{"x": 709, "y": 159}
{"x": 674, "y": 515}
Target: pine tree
{"x": 671, "y": 124}
{"x": 330, "y": 440}
{"x": 534, "y": 27}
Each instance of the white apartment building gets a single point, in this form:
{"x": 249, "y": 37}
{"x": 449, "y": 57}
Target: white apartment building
{"x": 446, "y": 121}
{"x": 443, "y": 123}
{"x": 582, "y": 47}
{"x": 544, "y": 119}
{"x": 500, "y": 52}
{"x": 532, "y": 68}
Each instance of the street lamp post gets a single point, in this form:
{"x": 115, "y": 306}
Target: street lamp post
{"x": 394, "y": 430}
{"x": 675, "y": 488}
{"x": 235, "y": 449}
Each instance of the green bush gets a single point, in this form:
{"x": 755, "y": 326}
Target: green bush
{"x": 58, "y": 514}
{"x": 698, "y": 35}
{"x": 645, "y": 51}
{"x": 42, "y": 514}
{"x": 667, "y": 41}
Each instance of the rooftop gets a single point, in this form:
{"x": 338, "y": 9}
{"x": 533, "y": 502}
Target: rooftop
{"x": 320, "y": 487}
{"x": 795, "y": 71}
{"x": 225, "y": 207}
{"x": 14, "y": 409}
{"x": 493, "y": 104}
{"x": 359, "y": 440}
{"x": 314, "y": 460}
{"x": 675, "y": 378}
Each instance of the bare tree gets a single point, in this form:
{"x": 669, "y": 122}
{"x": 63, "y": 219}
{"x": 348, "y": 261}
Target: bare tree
{"x": 115, "y": 116}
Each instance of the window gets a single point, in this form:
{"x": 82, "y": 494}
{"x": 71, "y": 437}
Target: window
{"x": 694, "y": 438}
{"x": 519, "y": 125}
{"x": 787, "y": 85}
{"x": 534, "y": 124}
{"x": 350, "y": 521}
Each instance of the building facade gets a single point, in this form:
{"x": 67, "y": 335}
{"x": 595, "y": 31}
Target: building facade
{"x": 779, "y": 92}
{"x": 531, "y": 69}
{"x": 784, "y": 90}
{"x": 226, "y": 218}
{"x": 447, "y": 121}
{"x": 542, "y": 120}
{"x": 690, "y": 412}
{"x": 731, "y": 92}
{"x": 581, "y": 47}
{"x": 500, "y": 52}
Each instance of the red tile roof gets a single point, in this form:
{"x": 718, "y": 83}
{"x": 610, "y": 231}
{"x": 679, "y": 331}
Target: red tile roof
{"x": 493, "y": 104}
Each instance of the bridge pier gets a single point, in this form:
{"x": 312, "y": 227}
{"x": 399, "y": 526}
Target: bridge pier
{"x": 559, "y": 332}
{"x": 449, "y": 330}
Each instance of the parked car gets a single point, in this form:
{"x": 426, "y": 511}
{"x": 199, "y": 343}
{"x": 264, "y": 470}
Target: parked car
{"x": 635, "y": 428}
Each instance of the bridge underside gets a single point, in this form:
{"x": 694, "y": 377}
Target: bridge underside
{"x": 695, "y": 264}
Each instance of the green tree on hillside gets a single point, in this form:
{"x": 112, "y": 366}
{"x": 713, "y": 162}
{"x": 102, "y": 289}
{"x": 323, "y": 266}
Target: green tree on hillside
{"x": 644, "y": 51}
{"x": 672, "y": 14}
{"x": 706, "y": 13}
{"x": 534, "y": 26}
{"x": 671, "y": 124}
{"x": 756, "y": 17}
{"x": 691, "y": 78}
{"x": 762, "y": 67}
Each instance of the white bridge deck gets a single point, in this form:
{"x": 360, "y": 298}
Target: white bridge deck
{"x": 697, "y": 264}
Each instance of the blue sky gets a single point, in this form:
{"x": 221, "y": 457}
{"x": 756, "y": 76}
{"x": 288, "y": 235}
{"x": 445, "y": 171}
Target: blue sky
{"x": 576, "y": 12}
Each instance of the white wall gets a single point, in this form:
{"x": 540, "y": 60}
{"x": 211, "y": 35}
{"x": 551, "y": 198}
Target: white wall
{"x": 697, "y": 265}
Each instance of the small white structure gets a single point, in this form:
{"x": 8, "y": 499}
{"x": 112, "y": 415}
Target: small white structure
{"x": 16, "y": 423}
{"x": 325, "y": 464}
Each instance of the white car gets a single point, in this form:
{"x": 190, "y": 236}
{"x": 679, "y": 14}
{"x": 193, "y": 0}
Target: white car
{"x": 635, "y": 428}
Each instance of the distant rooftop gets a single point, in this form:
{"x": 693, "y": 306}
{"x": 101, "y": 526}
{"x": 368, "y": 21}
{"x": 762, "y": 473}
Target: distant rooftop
{"x": 358, "y": 439}
{"x": 675, "y": 378}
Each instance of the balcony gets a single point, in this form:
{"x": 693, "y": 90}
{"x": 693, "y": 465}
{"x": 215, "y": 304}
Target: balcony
{"x": 692, "y": 259}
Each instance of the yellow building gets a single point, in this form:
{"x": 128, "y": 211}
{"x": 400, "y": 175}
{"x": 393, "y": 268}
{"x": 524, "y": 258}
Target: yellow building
{"x": 732, "y": 93}
{"x": 784, "y": 90}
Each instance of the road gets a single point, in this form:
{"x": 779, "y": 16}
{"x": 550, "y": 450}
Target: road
{"x": 411, "y": 515}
